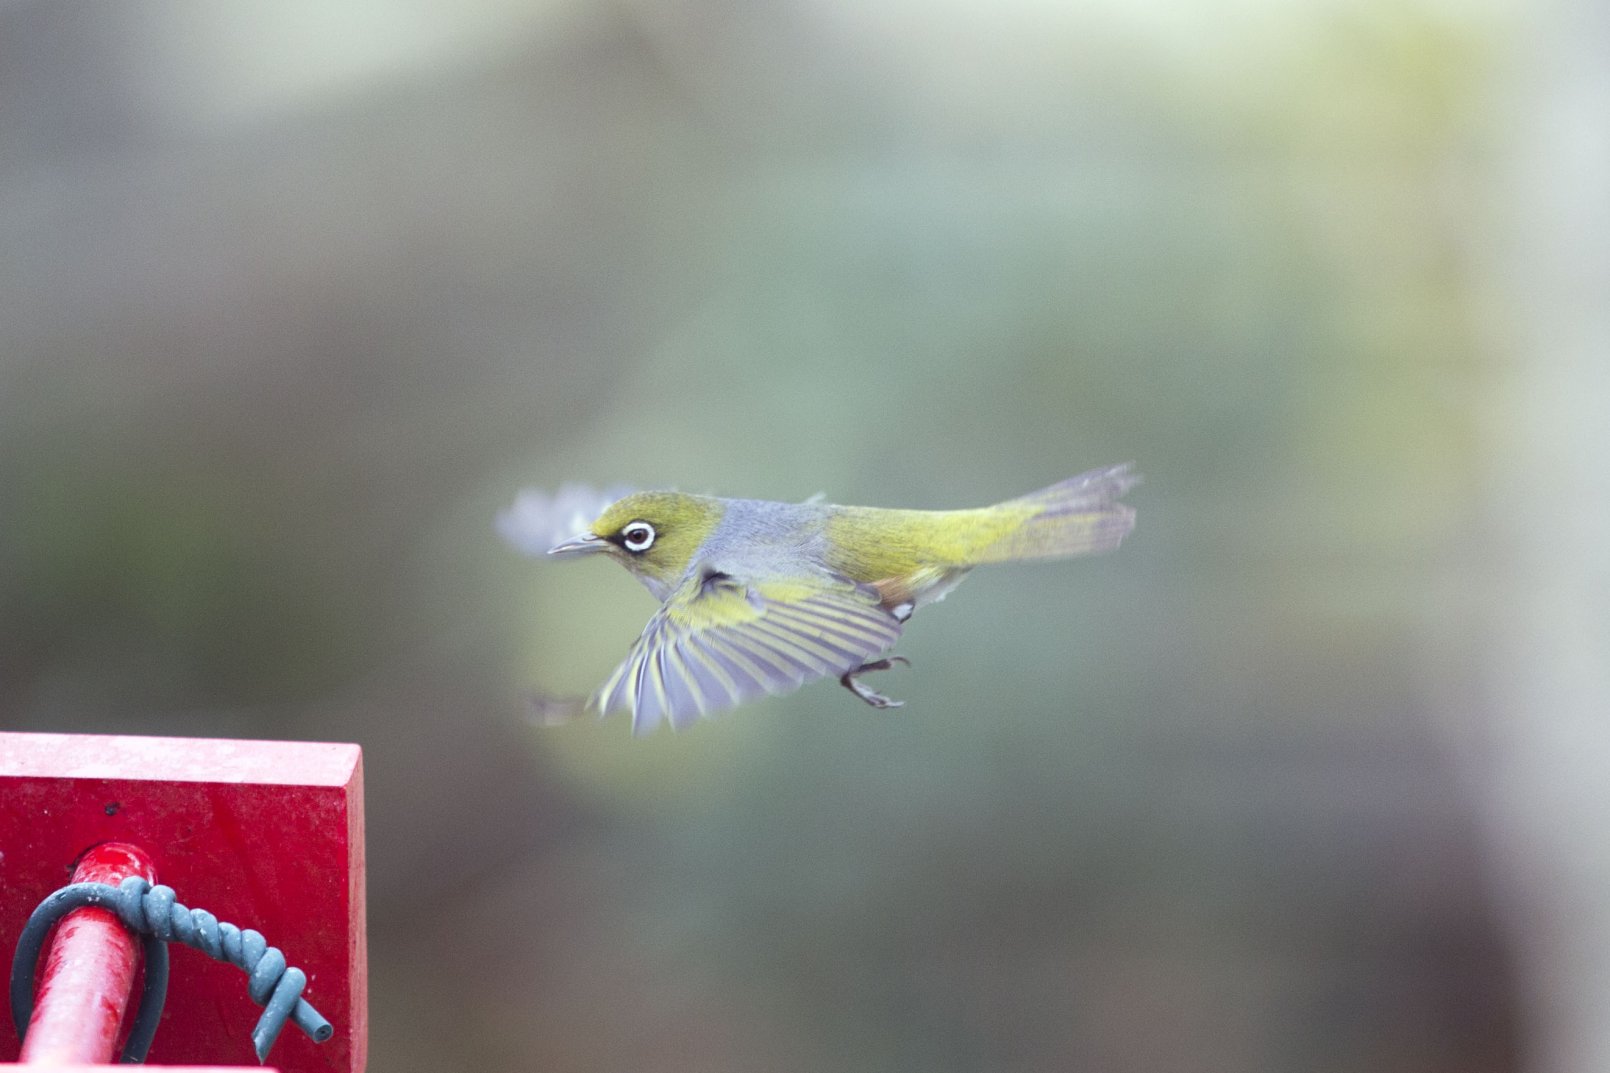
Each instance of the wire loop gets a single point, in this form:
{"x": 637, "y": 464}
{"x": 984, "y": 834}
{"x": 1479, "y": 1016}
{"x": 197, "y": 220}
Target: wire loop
{"x": 155, "y": 915}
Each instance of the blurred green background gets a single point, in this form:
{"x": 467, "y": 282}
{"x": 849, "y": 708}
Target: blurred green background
{"x": 1309, "y": 776}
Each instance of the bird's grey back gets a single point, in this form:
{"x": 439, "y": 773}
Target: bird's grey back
{"x": 761, "y": 537}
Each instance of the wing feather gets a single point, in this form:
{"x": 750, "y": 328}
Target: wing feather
{"x": 822, "y": 658}
{"x": 789, "y": 664}
{"x": 756, "y": 663}
{"x": 684, "y": 702}
{"x": 830, "y": 631}
{"x": 713, "y": 672}
{"x": 713, "y": 646}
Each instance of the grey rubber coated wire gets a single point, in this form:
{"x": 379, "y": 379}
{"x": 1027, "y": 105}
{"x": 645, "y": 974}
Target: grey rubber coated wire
{"x": 154, "y": 914}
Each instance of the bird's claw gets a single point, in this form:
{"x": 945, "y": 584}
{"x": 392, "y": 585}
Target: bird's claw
{"x": 867, "y": 693}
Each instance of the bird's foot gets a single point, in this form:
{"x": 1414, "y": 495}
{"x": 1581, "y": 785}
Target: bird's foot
{"x": 867, "y": 693}
{"x": 550, "y": 711}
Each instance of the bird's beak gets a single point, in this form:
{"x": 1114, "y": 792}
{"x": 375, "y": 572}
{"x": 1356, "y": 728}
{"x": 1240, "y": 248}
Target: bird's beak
{"x": 585, "y": 544}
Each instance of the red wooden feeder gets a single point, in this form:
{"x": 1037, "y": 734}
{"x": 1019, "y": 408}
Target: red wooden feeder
{"x": 266, "y": 835}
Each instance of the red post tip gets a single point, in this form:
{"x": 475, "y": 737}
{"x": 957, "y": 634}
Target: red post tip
{"x": 88, "y": 971}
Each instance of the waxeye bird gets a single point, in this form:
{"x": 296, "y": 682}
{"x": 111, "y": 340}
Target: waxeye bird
{"x": 758, "y": 597}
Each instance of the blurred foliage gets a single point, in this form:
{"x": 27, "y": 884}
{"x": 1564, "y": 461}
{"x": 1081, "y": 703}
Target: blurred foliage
{"x": 281, "y": 329}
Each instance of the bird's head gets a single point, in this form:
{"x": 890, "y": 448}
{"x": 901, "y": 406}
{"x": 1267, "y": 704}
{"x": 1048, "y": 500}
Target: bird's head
{"x": 652, "y": 534}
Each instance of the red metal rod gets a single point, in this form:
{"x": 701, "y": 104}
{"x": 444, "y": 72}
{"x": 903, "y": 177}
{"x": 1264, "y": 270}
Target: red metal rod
{"x": 89, "y": 970}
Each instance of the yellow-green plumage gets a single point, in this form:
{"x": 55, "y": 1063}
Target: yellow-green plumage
{"x": 760, "y": 597}
{"x": 905, "y": 551}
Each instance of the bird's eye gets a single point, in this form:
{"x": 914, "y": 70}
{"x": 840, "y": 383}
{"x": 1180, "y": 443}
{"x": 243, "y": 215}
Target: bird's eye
{"x": 637, "y": 537}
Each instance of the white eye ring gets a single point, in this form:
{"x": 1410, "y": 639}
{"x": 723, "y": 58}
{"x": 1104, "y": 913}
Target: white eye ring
{"x": 637, "y": 537}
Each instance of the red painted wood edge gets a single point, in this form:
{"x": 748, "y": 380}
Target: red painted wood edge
{"x": 267, "y": 835}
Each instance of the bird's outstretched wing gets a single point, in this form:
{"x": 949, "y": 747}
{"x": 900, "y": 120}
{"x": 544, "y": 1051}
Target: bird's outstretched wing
{"x": 538, "y": 520}
{"x": 718, "y": 642}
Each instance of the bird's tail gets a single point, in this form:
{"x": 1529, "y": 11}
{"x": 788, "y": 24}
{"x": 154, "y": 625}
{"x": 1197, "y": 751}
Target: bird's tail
{"x": 1078, "y": 516}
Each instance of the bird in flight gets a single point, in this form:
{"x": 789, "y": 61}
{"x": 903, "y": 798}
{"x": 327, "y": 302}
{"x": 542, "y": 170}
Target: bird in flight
{"x": 759, "y": 597}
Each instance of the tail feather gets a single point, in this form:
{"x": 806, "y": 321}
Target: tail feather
{"x": 1079, "y": 516}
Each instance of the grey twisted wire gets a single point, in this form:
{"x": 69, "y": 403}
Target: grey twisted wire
{"x": 154, "y": 913}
